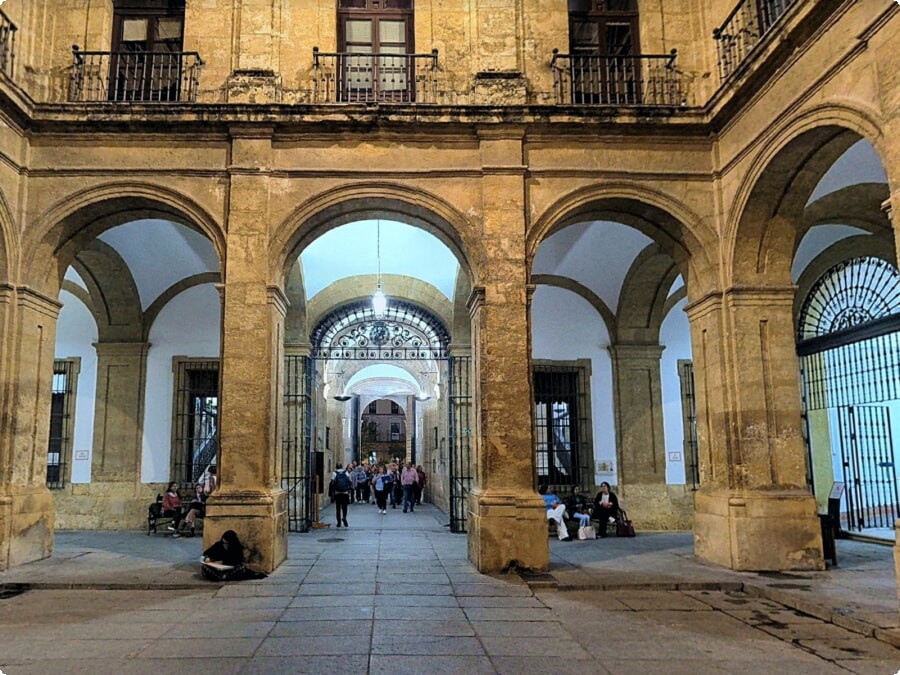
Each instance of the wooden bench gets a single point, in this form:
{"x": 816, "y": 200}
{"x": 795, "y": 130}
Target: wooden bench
{"x": 155, "y": 517}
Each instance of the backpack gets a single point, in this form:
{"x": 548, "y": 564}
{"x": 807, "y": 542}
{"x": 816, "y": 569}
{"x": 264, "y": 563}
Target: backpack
{"x": 341, "y": 482}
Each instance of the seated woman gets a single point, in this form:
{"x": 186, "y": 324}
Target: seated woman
{"x": 172, "y": 507}
{"x": 606, "y": 508}
{"x": 224, "y": 560}
{"x": 196, "y": 509}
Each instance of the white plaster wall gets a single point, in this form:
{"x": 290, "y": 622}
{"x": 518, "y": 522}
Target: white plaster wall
{"x": 189, "y": 325}
{"x": 76, "y": 333}
{"x": 567, "y": 327}
{"x": 675, "y": 336}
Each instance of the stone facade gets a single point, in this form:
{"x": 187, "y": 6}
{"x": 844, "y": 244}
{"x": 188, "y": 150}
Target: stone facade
{"x": 493, "y": 169}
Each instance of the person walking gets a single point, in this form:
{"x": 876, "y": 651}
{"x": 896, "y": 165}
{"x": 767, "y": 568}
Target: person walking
{"x": 341, "y": 486}
{"x": 409, "y": 479}
{"x": 420, "y": 486}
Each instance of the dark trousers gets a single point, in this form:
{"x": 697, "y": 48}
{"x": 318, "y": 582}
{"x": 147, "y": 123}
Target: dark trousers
{"x": 409, "y": 497}
{"x": 418, "y": 494}
{"x": 341, "y": 500}
{"x": 175, "y": 515}
{"x": 381, "y": 499}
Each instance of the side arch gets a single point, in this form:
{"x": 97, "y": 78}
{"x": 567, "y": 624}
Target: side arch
{"x": 761, "y": 228}
{"x": 68, "y": 226}
{"x": 678, "y": 230}
{"x": 368, "y": 201}
{"x": 8, "y": 241}
{"x": 609, "y": 319}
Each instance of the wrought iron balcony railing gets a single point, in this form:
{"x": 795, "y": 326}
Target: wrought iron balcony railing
{"x": 747, "y": 24}
{"x": 7, "y": 45}
{"x": 375, "y": 78}
{"x": 612, "y": 80}
{"x": 146, "y": 77}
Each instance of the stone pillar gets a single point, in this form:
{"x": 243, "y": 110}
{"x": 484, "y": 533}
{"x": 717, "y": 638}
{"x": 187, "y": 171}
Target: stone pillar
{"x": 250, "y": 499}
{"x": 753, "y": 510}
{"x": 507, "y": 519}
{"x": 26, "y": 506}
{"x": 255, "y": 74}
{"x": 499, "y": 79}
{"x": 640, "y": 436}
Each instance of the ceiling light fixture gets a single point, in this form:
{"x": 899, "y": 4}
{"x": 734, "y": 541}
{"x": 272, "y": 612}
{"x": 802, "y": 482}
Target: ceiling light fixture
{"x": 379, "y": 301}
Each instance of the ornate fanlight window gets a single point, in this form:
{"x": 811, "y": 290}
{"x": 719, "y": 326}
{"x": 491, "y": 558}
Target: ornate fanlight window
{"x": 852, "y": 293}
{"x": 403, "y": 331}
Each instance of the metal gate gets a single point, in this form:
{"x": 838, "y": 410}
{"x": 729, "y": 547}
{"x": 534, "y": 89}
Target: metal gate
{"x": 296, "y": 476}
{"x": 867, "y": 458}
{"x": 460, "y": 420}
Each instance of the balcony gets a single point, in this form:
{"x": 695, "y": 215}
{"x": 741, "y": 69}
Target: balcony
{"x": 612, "y": 80}
{"x": 7, "y": 45}
{"x": 375, "y": 78}
{"x": 138, "y": 77}
{"x": 744, "y": 28}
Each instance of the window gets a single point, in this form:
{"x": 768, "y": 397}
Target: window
{"x": 603, "y": 42}
{"x": 395, "y": 408}
{"x": 195, "y": 428}
{"x": 373, "y": 408}
{"x": 375, "y": 36}
{"x": 62, "y": 416}
{"x": 147, "y": 45}
{"x": 395, "y": 431}
{"x": 562, "y": 424}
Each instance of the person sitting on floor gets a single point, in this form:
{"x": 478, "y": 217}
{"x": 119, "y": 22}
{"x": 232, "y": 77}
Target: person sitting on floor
{"x": 606, "y": 508}
{"x": 224, "y": 560}
{"x": 556, "y": 512}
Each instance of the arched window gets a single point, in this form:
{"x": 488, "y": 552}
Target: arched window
{"x": 854, "y": 292}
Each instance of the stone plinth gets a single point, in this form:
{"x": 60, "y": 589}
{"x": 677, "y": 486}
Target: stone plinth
{"x": 260, "y": 520}
{"x": 507, "y": 530}
{"x": 26, "y": 525}
{"x": 655, "y": 506}
{"x": 758, "y": 530}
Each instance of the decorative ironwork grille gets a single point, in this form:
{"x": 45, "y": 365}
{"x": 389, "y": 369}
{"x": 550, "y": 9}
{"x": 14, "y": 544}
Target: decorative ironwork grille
{"x": 744, "y": 28}
{"x": 461, "y": 422}
{"x": 404, "y": 332}
{"x": 561, "y": 425}
{"x": 617, "y": 80}
{"x": 296, "y": 476}
{"x": 196, "y": 419}
{"x": 375, "y": 78}
{"x": 689, "y": 418}
{"x": 7, "y": 45}
{"x": 867, "y": 457}
{"x": 61, "y": 418}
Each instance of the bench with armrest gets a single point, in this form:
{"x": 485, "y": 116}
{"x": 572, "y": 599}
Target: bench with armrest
{"x": 155, "y": 517}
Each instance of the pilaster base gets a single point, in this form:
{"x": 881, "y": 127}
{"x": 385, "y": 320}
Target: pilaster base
{"x": 260, "y": 520}
{"x": 500, "y": 88}
{"x": 758, "y": 531}
{"x": 253, "y": 86}
{"x": 26, "y": 526}
{"x": 507, "y": 529}
{"x": 654, "y": 506}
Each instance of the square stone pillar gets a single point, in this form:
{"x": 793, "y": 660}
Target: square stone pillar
{"x": 753, "y": 510}
{"x": 26, "y": 506}
{"x": 507, "y": 519}
{"x": 250, "y": 499}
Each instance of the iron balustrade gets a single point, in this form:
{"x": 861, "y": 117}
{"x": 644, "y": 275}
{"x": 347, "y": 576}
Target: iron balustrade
{"x": 614, "y": 80}
{"x": 744, "y": 28}
{"x": 7, "y": 45}
{"x": 375, "y": 78}
{"x": 139, "y": 76}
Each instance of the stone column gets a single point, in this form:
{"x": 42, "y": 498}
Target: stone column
{"x": 250, "y": 499}
{"x": 640, "y": 436}
{"x": 753, "y": 510}
{"x": 507, "y": 520}
{"x": 26, "y": 506}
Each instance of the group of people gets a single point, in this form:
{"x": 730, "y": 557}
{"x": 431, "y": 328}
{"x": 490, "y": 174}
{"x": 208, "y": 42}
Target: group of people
{"x": 605, "y": 509}
{"x": 184, "y": 517}
{"x": 359, "y": 483}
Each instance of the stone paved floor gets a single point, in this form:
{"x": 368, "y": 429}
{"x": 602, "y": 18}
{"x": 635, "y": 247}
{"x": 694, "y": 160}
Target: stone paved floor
{"x": 395, "y": 594}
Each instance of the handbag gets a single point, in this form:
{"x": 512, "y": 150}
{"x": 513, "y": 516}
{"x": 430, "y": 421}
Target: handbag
{"x": 624, "y": 527}
{"x": 587, "y": 532}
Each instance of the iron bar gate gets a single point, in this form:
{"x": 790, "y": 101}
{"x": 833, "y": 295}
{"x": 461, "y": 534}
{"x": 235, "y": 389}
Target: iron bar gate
{"x": 296, "y": 476}
{"x": 867, "y": 457}
{"x": 460, "y": 420}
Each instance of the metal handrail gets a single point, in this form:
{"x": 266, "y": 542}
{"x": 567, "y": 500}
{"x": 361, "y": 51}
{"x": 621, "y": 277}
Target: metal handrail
{"x": 139, "y": 76}
{"x": 8, "y": 32}
{"x": 743, "y": 29}
{"x": 617, "y": 80}
{"x": 344, "y": 77}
